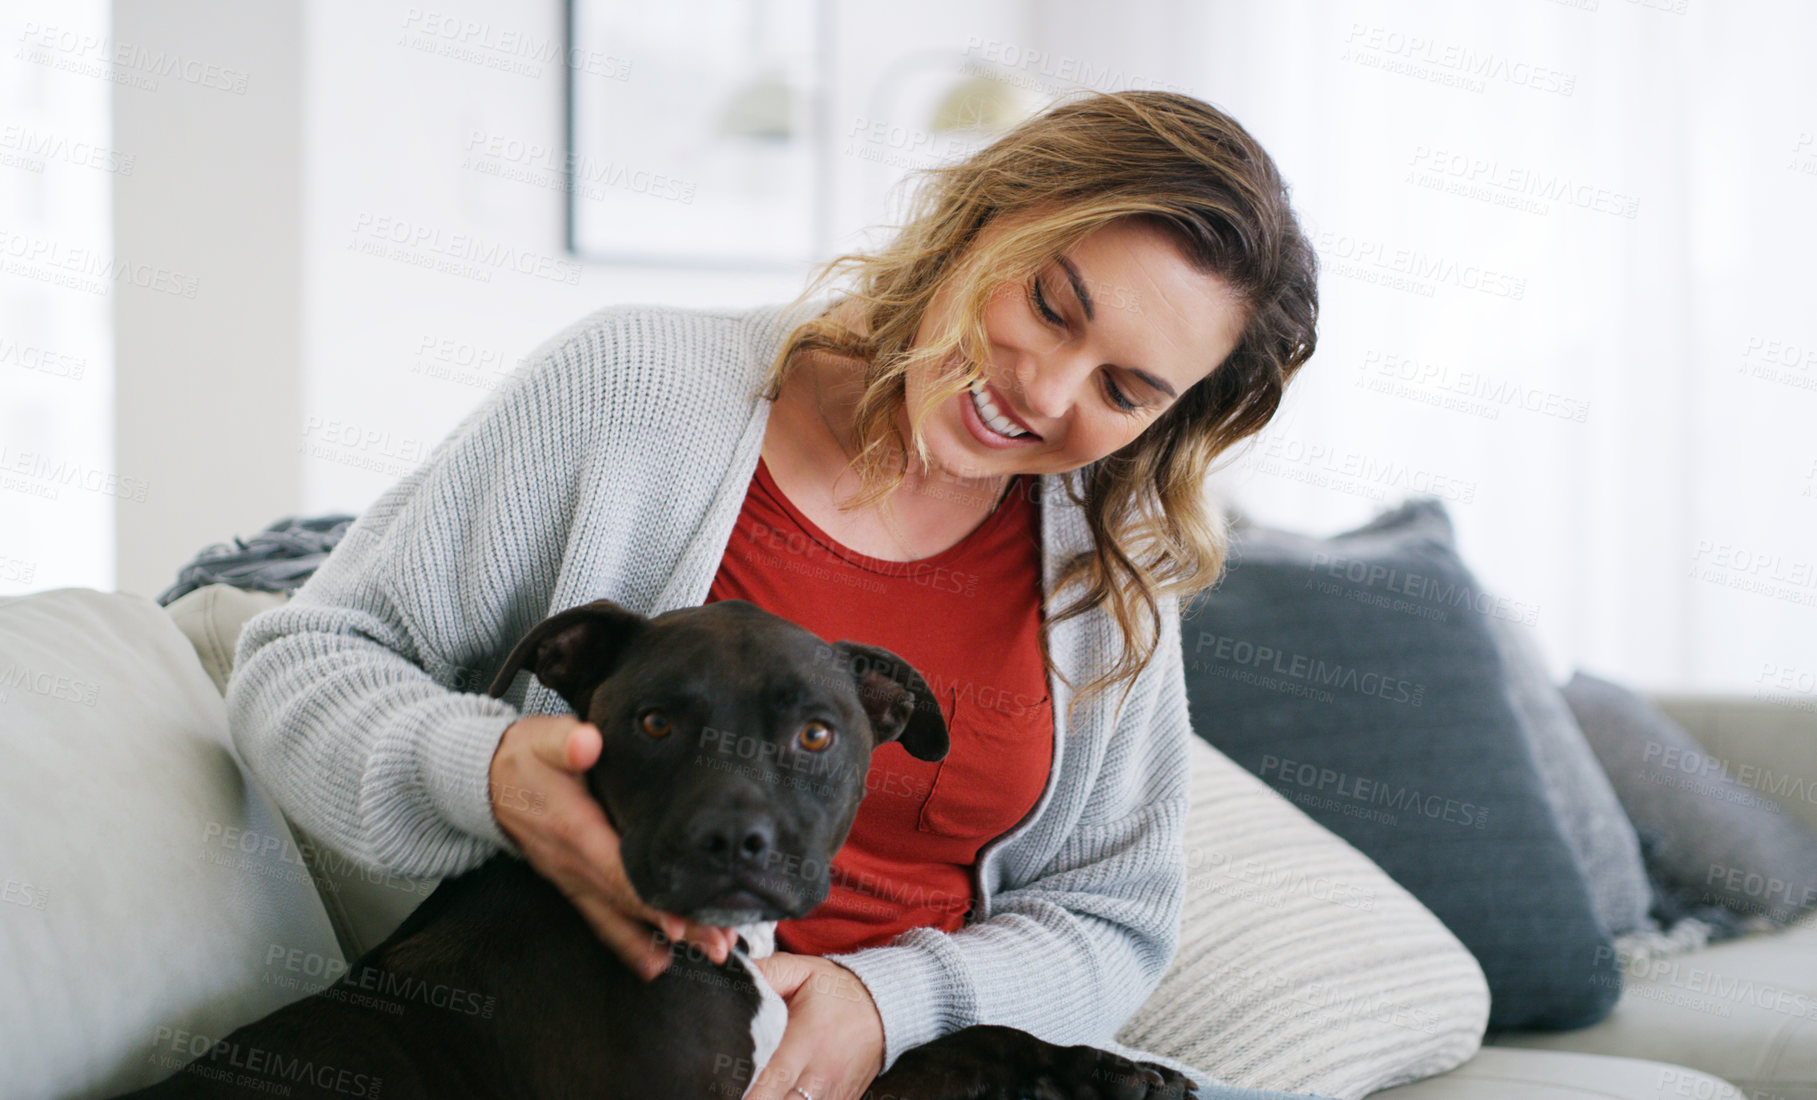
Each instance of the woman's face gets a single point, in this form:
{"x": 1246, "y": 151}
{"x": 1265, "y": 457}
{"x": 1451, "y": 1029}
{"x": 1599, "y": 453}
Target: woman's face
{"x": 1084, "y": 358}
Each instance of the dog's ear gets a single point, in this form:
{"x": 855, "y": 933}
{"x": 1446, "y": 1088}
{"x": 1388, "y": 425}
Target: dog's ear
{"x": 573, "y": 650}
{"x": 900, "y": 704}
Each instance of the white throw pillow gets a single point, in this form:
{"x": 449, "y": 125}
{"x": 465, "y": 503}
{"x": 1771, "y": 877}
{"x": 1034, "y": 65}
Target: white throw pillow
{"x": 1302, "y": 966}
{"x": 212, "y": 616}
{"x": 365, "y": 904}
{"x": 151, "y": 898}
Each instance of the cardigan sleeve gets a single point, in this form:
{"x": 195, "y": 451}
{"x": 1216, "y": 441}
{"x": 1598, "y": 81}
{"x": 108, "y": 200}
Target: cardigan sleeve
{"x": 1069, "y": 955}
{"x": 361, "y": 703}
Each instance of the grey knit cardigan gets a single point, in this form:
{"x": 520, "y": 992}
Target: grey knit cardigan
{"x": 612, "y": 463}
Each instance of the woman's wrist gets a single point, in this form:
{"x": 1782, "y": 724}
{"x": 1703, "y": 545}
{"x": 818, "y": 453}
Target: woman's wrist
{"x": 866, "y": 1010}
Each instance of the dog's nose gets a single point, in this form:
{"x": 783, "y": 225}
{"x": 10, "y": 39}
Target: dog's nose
{"x": 741, "y": 839}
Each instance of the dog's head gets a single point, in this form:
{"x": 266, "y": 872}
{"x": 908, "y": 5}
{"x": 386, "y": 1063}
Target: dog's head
{"x": 736, "y": 745}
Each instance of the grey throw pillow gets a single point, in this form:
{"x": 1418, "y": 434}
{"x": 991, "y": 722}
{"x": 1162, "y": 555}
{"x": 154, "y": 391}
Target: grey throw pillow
{"x": 1594, "y": 823}
{"x": 1356, "y": 677}
{"x": 1710, "y": 835}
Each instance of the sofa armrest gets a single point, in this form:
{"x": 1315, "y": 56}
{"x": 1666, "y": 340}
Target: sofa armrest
{"x": 1766, "y": 743}
{"x": 364, "y": 904}
{"x": 153, "y": 890}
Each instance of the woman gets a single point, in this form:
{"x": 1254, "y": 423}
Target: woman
{"x": 1117, "y": 286}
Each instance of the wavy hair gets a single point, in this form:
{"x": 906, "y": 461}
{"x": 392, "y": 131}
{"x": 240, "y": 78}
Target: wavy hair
{"x": 1170, "y": 161}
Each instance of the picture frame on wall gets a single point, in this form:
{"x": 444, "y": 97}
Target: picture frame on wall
{"x": 697, "y": 132}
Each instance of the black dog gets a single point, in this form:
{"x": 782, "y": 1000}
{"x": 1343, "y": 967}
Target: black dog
{"x": 736, "y": 746}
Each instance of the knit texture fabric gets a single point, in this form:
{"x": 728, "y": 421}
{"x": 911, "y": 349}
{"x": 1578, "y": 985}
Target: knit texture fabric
{"x": 1302, "y": 965}
{"x": 612, "y": 464}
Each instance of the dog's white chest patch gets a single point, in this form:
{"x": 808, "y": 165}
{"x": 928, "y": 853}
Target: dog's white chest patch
{"x": 772, "y": 1015}
{"x": 768, "y": 1024}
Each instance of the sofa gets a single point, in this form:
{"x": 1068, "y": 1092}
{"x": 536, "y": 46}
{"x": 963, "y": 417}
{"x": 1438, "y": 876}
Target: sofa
{"x": 154, "y": 897}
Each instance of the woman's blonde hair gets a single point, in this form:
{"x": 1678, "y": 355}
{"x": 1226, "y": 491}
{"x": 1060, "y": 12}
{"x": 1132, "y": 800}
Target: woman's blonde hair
{"x": 1168, "y": 161}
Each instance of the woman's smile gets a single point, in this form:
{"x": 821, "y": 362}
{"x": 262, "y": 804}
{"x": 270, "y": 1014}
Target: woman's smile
{"x": 1084, "y": 357}
{"x": 1001, "y": 429}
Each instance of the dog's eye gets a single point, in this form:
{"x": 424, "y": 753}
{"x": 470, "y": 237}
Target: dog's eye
{"x": 815, "y": 736}
{"x": 654, "y": 723}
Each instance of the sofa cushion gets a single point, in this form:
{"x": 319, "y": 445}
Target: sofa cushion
{"x": 1502, "y": 1074}
{"x": 1724, "y": 841}
{"x": 1770, "y": 738}
{"x": 1356, "y": 676}
{"x": 211, "y": 617}
{"x": 364, "y": 904}
{"x": 1744, "y": 1011}
{"x": 154, "y": 899}
{"x": 1302, "y": 966}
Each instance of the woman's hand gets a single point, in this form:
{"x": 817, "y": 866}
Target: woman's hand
{"x": 540, "y": 799}
{"x": 832, "y": 1048}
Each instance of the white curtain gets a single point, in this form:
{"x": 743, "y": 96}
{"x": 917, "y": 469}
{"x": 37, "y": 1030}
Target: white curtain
{"x": 1570, "y": 255}
{"x": 59, "y": 482}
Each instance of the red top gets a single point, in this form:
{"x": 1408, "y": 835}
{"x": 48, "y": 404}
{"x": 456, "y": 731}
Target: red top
{"x": 968, "y": 620}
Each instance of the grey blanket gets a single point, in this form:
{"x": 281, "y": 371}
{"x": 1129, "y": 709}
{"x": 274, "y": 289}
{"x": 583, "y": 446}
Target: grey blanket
{"x": 277, "y": 559}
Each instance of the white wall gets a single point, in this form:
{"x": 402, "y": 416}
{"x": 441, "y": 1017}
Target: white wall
{"x": 320, "y": 358}
{"x": 395, "y": 132}
{"x": 336, "y": 360}
{"x": 395, "y": 353}
{"x": 208, "y": 362}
